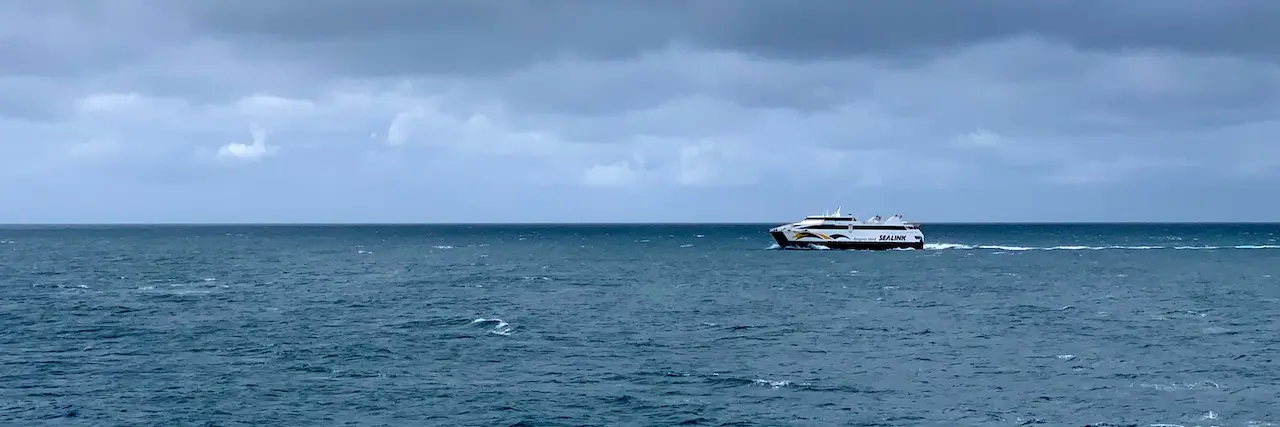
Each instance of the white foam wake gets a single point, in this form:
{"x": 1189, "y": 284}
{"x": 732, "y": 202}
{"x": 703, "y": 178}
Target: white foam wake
{"x": 943, "y": 246}
{"x": 1011, "y": 248}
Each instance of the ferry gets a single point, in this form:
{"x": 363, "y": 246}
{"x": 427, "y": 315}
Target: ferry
{"x": 838, "y": 231}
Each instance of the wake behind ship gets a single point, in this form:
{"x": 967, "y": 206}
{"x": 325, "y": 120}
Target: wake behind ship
{"x": 837, "y": 231}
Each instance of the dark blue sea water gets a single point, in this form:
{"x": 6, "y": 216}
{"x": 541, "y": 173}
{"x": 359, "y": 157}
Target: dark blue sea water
{"x": 992, "y": 325}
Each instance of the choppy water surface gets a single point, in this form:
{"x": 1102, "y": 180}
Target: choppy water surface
{"x": 638, "y": 325}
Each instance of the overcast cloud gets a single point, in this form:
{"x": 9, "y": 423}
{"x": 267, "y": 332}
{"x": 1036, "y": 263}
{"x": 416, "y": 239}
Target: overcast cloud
{"x": 658, "y": 110}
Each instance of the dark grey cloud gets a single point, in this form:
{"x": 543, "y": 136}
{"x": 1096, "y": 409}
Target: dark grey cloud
{"x": 835, "y": 28}
{"x": 397, "y": 37}
{"x": 405, "y": 37}
{"x": 64, "y": 38}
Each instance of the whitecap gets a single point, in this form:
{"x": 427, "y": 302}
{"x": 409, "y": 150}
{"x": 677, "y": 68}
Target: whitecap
{"x": 770, "y": 384}
{"x": 500, "y": 326}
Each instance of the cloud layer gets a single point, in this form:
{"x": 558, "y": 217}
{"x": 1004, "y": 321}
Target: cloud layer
{"x": 392, "y": 110}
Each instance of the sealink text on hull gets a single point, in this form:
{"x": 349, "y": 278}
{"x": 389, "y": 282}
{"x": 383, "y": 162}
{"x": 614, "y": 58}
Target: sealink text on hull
{"x": 836, "y": 231}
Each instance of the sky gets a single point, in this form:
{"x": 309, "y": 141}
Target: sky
{"x": 638, "y": 111}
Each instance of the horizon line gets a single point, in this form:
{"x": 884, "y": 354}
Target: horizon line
{"x": 589, "y": 223}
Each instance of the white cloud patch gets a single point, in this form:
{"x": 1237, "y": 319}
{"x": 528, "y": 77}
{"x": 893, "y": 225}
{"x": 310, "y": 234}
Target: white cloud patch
{"x": 398, "y": 131}
{"x": 253, "y": 152}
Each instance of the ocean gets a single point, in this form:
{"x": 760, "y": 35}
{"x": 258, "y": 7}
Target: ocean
{"x": 637, "y": 325}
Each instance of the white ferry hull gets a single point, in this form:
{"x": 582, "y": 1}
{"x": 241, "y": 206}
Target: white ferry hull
{"x": 845, "y": 239}
{"x": 846, "y": 232}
